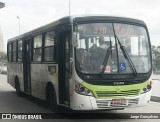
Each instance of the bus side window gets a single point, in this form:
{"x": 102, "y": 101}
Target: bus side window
{"x": 9, "y": 52}
{"x": 37, "y": 51}
{"x": 20, "y": 50}
{"x": 14, "y": 56}
{"x": 79, "y": 53}
{"x": 49, "y": 46}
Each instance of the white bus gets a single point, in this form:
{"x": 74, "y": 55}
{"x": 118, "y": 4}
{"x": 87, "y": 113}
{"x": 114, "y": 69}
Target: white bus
{"x": 84, "y": 63}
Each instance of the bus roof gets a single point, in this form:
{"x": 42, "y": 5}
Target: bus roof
{"x": 84, "y": 18}
{"x": 107, "y": 18}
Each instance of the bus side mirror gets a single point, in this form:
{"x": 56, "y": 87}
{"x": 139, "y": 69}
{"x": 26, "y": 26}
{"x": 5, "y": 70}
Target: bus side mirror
{"x": 74, "y": 40}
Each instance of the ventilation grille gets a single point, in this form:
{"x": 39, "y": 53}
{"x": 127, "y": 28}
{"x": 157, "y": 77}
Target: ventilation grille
{"x": 115, "y": 93}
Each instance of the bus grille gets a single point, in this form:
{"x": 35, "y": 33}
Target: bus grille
{"x": 114, "y": 93}
{"x": 108, "y": 103}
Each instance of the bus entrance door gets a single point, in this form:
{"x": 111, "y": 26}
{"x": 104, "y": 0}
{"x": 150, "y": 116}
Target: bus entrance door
{"x": 26, "y": 66}
{"x": 64, "y": 68}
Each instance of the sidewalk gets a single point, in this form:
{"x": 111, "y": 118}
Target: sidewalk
{"x": 155, "y": 88}
{"x": 3, "y": 69}
{"x": 156, "y": 77}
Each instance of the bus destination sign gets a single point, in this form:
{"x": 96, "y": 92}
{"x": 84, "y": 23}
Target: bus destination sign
{"x": 106, "y": 29}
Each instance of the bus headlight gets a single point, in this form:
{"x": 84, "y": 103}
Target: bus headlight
{"x": 82, "y": 90}
{"x": 146, "y": 89}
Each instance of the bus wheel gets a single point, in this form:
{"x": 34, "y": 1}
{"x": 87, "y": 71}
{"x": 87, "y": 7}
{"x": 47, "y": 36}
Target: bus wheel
{"x": 17, "y": 86}
{"x": 52, "y": 99}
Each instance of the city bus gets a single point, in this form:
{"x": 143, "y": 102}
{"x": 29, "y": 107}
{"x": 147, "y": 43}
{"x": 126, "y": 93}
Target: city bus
{"x": 84, "y": 63}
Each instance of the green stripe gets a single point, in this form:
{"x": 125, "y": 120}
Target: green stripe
{"x": 115, "y": 91}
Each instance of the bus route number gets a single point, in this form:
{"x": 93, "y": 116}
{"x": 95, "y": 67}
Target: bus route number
{"x": 99, "y": 30}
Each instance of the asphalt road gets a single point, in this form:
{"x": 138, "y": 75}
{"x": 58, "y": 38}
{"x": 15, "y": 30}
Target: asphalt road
{"x": 15, "y": 104}
{"x": 11, "y": 103}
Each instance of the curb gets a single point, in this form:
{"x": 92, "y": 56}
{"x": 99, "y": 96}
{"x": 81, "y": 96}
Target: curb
{"x": 155, "y": 99}
{"x": 156, "y": 79}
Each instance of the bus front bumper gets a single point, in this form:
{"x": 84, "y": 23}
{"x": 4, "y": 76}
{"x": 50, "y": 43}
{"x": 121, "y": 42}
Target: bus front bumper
{"x": 82, "y": 102}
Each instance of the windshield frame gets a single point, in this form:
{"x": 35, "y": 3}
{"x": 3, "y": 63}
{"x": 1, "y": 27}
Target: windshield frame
{"x": 118, "y": 76}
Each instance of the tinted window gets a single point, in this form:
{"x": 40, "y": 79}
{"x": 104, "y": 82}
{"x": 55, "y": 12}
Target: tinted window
{"x": 19, "y": 50}
{"x": 37, "y": 51}
{"x": 49, "y": 46}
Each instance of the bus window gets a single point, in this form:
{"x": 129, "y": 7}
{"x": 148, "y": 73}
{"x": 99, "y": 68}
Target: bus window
{"x": 143, "y": 45}
{"x": 9, "y": 52}
{"x": 49, "y": 46}
{"x": 134, "y": 47}
{"x": 20, "y": 50}
{"x": 14, "y": 51}
{"x": 37, "y": 48}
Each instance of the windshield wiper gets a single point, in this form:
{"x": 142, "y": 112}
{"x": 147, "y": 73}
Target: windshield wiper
{"x": 109, "y": 50}
{"x": 127, "y": 57}
{"x": 105, "y": 61}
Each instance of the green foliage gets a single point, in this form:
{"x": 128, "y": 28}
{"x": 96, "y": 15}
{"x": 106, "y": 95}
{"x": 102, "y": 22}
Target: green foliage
{"x": 3, "y": 56}
{"x": 156, "y": 58}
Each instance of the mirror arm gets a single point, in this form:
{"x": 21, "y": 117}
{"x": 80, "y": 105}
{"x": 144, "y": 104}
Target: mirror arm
{"x": 74, "y": 39}
{"x": 70, "y": 67}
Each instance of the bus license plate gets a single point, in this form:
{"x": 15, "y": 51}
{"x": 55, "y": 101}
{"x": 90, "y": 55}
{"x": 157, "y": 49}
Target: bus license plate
{"x": 118, "y": 101}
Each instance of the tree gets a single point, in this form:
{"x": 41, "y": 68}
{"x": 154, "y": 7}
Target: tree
{"x": 3, "y": 57}
{"x": 156, "y": 57}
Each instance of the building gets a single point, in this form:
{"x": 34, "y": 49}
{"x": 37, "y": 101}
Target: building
{"x": 1, "y": 37}
{"x": 1, "y": 41}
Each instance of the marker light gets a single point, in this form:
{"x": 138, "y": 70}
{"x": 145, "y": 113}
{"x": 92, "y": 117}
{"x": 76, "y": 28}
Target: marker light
{"x": 151, "y": 83}
{"x": 144, "y": 89}
{"x": 147, "y": 88}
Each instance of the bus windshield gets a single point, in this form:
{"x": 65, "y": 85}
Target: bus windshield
{"x": 95, "y": 39}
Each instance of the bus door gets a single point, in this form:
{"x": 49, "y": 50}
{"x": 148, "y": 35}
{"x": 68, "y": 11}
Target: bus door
{"x": 26, "y": 66}
{"x": 64, "y": 62}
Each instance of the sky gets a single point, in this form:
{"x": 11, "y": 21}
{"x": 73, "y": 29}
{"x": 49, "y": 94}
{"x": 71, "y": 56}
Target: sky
{"x": 35, "y": 13}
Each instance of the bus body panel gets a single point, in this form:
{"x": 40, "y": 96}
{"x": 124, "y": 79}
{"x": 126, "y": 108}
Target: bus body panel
{"x": 14, "y": 70}
{"x": 81, "y": 102}
{"x": 40, "y": 76}
{"x": 38, "y": 84}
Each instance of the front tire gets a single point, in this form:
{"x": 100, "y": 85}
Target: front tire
{"x": 17, "y": 86}
{"x": 52, "y": 99}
